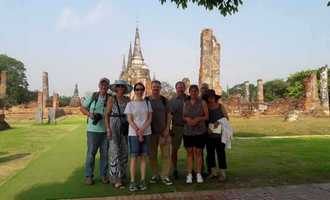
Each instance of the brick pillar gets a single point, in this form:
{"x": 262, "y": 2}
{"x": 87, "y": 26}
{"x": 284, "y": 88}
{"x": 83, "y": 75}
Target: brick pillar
{"x": 260, "y": 94}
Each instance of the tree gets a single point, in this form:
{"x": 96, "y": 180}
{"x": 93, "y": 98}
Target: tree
{"x": 240, "y": 89}
{"x": 167, "y": 90}
{"x": 64, "y": 101}
{"x": 275, "y": 89}
{"x": 329, "y": 3}
{"x": 17, "y": 85}
{"x": 224, "y": 6}
{"x": 296, "y": 83}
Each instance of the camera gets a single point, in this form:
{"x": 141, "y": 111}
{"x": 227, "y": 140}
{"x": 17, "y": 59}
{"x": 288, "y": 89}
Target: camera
{"x": 96, "y": 118}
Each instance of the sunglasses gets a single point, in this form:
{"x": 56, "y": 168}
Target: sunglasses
{"x": 121, "y": 86}
{"x": 139, "y": 89}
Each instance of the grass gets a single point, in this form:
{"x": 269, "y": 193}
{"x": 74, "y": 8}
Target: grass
{"x": 56, "y": 168}
{"x": 276, "y": 126}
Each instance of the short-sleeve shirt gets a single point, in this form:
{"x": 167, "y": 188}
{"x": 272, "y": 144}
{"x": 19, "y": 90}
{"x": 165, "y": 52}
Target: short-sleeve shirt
{"x": 160, "y": 109}
{"x": 139, "y": 110}
{"x": 95, "y": 107}
{"x": 196, "y": 110}
{"x": 176, "y": 108}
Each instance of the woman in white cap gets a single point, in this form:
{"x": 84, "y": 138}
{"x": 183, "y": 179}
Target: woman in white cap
{"x": 117, "y": 130}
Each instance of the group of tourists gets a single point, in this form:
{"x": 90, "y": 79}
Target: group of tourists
{"x": 131, "y": 132}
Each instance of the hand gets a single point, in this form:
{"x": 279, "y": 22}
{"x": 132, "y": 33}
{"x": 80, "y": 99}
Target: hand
{"x": 109, "y": 134}
{"x": 216, "y": 124}
{"x": 209, "y": 131}
{"x": 90, "y": 115}
{"x": 141, "y": 138}
{"x": 140, "y": 131}
{"x": 165, "y": 133}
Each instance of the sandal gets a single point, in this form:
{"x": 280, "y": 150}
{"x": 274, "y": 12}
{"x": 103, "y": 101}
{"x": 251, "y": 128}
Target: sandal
{"x": 119, "y": 186}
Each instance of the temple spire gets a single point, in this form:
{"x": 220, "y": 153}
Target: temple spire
{"x": 129, "y": 58}
{"x": 137, "y": 53}
{"x": 124, "y": 63}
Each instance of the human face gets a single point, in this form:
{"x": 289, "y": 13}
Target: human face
{"x": 120, "y": 90}
{"x": 180, "y": 88}
{"x": 103, "y": 88}
{"x": 204, "y": 88}
{"x": 156, "y": 87}
{"x": 194, "y": 93}
{"x": 211, "y": 100}
{"x": 139, "y": 90}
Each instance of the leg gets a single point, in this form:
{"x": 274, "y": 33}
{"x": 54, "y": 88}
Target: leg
{"x": 153, "y": 147}
{"x": 143, "y": 167}
{"x": 114, "y": 162}
{"x": 176, "y": 143}
{"x": 190, "y": 154}
{"x": 103, "y": 142}
{"x": 123, "y": 157}
{"x": 198, "y": 159}
{"x": 132, "y": 168}
{"x": 165, "y": 160}
{"x": 210, "y": 157}
{"x": 90, "y": 156}
{"x": 221, "y": 154}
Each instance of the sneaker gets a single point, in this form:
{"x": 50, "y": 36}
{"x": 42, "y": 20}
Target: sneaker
{"x": 132, "y": 187}
{"x": 89, "y": 181}
{"x": 167, "y": 181}
{"x": 142, "y": 185}
{"x": 154, "y": 179}
{"x": 199, "y": 178}
{"x": 176, "y": 174}
{"x": 222, "y": 176}
{"x": 189, "y": 179}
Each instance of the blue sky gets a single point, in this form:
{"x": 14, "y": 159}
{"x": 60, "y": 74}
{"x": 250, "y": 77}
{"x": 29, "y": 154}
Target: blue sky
{"x": 79, "y": 41}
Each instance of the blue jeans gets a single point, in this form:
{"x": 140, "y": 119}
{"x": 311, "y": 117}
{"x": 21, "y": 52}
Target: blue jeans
{"x": 96, "y": 141}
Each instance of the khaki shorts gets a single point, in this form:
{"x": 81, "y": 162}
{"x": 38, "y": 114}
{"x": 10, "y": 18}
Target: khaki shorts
{"x": 177, "y": 137}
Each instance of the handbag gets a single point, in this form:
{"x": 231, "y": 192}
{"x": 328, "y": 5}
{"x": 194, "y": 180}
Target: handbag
{"x": 123, "y": 124}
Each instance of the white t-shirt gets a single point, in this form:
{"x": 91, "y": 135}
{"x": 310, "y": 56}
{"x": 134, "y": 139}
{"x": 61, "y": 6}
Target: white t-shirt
{"x": 139, "y": 111}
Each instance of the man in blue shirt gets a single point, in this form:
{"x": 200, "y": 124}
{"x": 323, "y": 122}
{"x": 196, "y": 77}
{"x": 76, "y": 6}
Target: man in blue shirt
{"x": 94, "y": 108}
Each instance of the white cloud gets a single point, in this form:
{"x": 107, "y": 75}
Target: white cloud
{"x": 70, "y": 19}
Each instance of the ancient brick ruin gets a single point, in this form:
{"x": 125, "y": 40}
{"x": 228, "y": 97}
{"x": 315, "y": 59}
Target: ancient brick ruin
{"x": 311, "y": 96}
{"x": 209, "y": 71}
{"x": 75, "y": 100}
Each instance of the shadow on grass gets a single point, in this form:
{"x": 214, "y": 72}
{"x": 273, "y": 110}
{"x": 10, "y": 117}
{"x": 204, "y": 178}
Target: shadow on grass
{"x": 249, "y": 134}
{"x": 74, "y": 187}
{"x": 13, "y": 157}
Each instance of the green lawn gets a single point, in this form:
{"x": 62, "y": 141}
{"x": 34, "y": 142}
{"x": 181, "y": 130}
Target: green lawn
{"x": 55, "y": 160}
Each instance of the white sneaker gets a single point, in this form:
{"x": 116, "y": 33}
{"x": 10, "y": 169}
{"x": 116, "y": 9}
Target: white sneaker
{"x": 189, "y": 179}
{"x": 199, "y": 178}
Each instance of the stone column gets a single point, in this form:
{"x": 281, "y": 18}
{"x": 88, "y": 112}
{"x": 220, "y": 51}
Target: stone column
{"x": 247, "y": 91}
{"x": 3, "y": 87}
{"x": 53, "y": 111}
{"x": 312, "y": 101}
{"x": 56, "y": 101}
{"x": 260, "y": 94}
{"x": 324, "y": 89}
{"x": 209, "y": 70}
{"x": 40, "y": 108}
{"x": 45, "y": 88}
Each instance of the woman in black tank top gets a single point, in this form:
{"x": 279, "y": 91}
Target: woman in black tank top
{"x": 214, "y": 144}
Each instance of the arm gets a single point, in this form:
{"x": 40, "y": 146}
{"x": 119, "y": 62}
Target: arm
{"x": 147, "y": 122}
{"x": 84, "y": 111}
{"x": 205, "y": 115}
{"x": 107, "y": 117}
{"x": 224, "y": 111}
{"x": 132, "y": 123}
